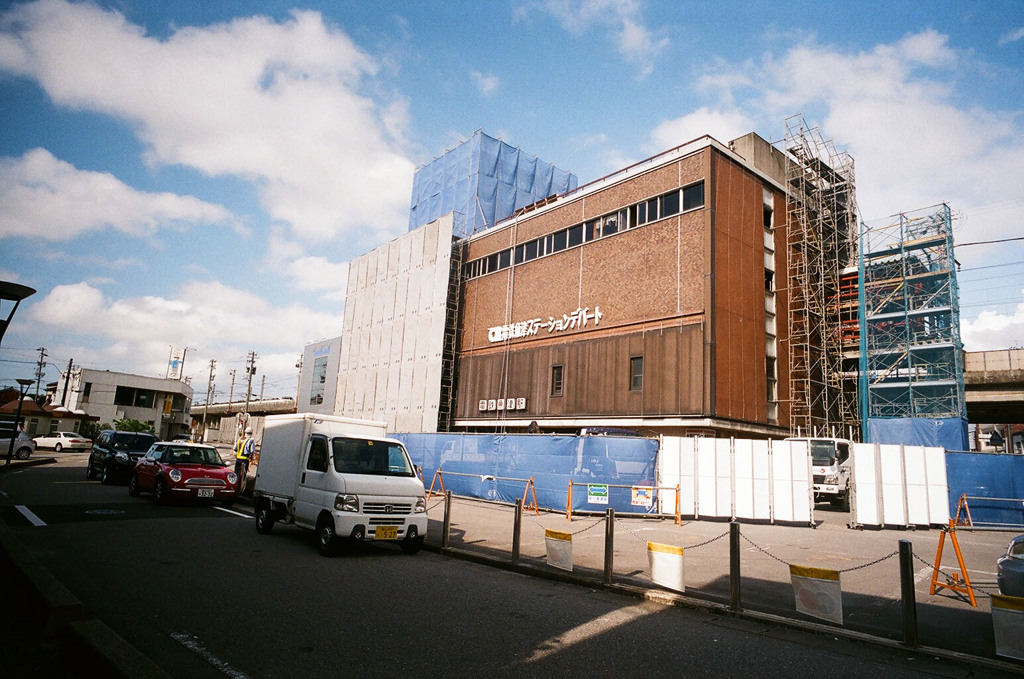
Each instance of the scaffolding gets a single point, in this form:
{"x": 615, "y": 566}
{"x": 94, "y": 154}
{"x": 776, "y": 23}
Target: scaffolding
{"x": 452, "y": 327}
{"x": 911, "y": 353}
{"x": 820, "y": 239}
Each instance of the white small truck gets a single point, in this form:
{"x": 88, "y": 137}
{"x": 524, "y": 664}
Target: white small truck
{"x": 341, "y": 477}
{"x": 830, "y": 469}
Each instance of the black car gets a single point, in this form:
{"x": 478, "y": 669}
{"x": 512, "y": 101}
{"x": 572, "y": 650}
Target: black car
{"x": 115, "y": 453}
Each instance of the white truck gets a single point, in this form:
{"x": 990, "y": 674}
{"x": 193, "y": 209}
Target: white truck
{"x": 341, "y": 477}
{"x": 830, "y": 469}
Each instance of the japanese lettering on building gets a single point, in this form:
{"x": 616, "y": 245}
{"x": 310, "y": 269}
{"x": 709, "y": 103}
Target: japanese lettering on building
{"x": 577, "y": 319}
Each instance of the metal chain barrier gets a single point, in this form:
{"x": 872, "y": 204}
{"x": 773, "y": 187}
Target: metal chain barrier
{"x": 841, "y": 570}
{"x": 577, "y": 532}
{"x": 645, "y": 540}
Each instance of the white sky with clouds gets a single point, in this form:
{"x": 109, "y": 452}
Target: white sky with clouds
{"x": 199, "y": 174}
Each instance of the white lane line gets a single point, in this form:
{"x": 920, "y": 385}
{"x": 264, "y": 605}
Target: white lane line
{"x": 193, "y": 644}
{"x": 27, "y": 513}
{"x": 232, "y": 511}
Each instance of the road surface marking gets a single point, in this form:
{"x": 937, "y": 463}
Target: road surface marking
{"x": 193, "y": 644}
{"x": 232, "y": 511}
{"x": 27, "y": 513}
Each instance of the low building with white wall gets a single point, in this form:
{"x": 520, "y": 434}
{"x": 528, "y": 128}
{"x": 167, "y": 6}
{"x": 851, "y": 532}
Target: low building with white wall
{"x": 161, "y": 403}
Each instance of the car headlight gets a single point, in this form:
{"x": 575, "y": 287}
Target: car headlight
{"x": 421, "y": 505}
{"x": 122, "y": 458}
{"x": 347, "y": 503}
{"x": 174, "y": 475}
{"x": 232, "y": 478}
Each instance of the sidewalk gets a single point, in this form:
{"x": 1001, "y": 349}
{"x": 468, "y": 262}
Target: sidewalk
{"x": 948, "y": 625}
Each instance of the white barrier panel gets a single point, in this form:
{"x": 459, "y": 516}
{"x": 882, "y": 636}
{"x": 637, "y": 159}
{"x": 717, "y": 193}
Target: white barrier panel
{"x": 666, "y": 563}
{"x": 559, "y": 549}
{"x": 867, "y": 493}
{"x": 897, "y": 485}
{"x": 736, "y": 478}
{"x": 1008, "y": 625}
{"x": 893, "y": 482}
{"x": 938, "y": 492}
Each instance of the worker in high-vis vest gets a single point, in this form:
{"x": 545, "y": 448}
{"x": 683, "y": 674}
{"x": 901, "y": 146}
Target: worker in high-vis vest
{"x": 244, "y": 449}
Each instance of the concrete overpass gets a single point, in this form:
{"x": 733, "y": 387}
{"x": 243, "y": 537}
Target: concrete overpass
{"x": 994, "y": 385}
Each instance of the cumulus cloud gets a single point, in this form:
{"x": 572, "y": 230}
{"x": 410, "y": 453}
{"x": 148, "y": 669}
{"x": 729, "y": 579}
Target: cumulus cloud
{"x": 214, "y": 319}
{"x": 283, "y": 105}
{"x": 722, "y": 125}
{"x": 635, "y": 43}
{"x": 44, "y": 197}
{"x": 895, "y": 110}
{"x": 486, "y": 83}
{"x": 994, "y": 330}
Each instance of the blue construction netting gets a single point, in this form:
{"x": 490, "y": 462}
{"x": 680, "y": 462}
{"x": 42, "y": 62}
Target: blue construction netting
{"x": 994, "y": 484}
{"x": 948, "y": 433}
{"x": 484, "y": 179}
{"x": 497, "y": 466}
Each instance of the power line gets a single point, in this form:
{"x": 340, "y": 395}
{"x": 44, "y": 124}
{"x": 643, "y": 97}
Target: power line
{"x": 988, "y": 242}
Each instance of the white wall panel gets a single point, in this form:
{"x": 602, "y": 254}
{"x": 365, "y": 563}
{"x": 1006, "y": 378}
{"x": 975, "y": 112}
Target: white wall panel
{"x": 743, "y": 472}
{"x": 723, "y": 478}
{"x": 707, "y": 485}
{"x": 782, "y": 476}
{"x": 938, "y": 493}
{"x": 867, "y": 492}
{"x": 916, "y": 488}
{"x": 893, "y": 499}
{"x": 761, "y": 479}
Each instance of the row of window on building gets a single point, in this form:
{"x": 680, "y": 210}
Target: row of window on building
{"x": 636, "y": 376}
{"x": 660, "y": 207}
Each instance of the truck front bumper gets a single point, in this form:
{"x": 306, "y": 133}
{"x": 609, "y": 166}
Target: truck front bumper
{"x": 365, "y": 527}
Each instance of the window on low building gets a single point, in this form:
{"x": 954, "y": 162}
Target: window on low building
{"x": 316, "y": 394}
{"x": 693, "y": 196}
{"x": 636, "y": 373}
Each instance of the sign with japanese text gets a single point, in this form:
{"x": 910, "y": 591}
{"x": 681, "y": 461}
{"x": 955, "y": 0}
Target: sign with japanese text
{"x": 643, "y": 496}
{"x": 597, "y": 493}
{"x": 666, "y": 562}
{"x": 818, "y": 592}
{"x": 577, "y": 319}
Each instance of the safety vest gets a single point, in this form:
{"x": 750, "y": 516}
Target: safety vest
{"x": 240, "y": 448}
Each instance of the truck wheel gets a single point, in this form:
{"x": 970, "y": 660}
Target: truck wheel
{"x": 265, "y": 518}
{"x": 411, "y": 546}
{"x": 845, "y": 504}
{"x": 327, "y": 539}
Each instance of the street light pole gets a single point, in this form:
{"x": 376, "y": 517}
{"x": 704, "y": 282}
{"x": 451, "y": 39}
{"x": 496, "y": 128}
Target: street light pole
{"x": 23, "y": 386}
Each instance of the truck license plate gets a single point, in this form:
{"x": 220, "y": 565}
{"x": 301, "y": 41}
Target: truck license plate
{"x": 386, "y": 533}
{"x": 205, "y": 492}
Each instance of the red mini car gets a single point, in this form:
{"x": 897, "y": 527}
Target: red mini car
{"x": 173, "y": 469}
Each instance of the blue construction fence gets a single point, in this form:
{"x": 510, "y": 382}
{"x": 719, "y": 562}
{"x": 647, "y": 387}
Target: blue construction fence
{"x": 498, "y": 466}
{"x": 993, "y": 484}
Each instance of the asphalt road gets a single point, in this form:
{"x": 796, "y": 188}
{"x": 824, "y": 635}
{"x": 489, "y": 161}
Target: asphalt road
{"x": 200, "y": 593}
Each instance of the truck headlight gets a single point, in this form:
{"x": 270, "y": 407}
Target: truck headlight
{"x": 347, "y": 503}
{"x": 832, "y": 479}
{"x": 232, "y": 478}
{"x": 174, "y": 475}
{"x": 421, "y": 505}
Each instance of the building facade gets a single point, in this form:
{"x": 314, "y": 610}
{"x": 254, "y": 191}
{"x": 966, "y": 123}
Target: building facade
{"x": 163, "y": 404}
{"x": 647, "y": 299}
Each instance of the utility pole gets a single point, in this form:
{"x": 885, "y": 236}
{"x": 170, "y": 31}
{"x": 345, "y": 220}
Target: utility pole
{"x": 263, "y": 384}
{"x": 40, "y": 368}
{"x": 209, "y": 395}
{"x": 298, "y": 380}
{"x": 250, "y": 369}
{"x": 231, "y": 394}
{"x": 67, "y": 380}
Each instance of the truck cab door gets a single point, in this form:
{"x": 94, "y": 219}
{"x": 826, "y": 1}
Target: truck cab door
{"x": 310, "y": 494}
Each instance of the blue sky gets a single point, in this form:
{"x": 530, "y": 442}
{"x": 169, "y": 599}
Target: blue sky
{"x": 199, "y": 174}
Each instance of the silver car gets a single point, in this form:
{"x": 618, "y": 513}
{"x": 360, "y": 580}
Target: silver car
{"x": 1010, "y": 569}
{"x": 23, "y": 445}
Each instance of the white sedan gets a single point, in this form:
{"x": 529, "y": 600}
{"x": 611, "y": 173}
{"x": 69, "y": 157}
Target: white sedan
{"x": 63, "y": 440}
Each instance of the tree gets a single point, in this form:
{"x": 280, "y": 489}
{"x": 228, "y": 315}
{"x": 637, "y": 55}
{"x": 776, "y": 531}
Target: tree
{"x": 132, "y": 425}
{"x": 91, "y": 429}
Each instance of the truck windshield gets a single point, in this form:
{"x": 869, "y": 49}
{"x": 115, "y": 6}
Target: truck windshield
{"x": 823, "y": 453}
{"x": 362, "y": 456}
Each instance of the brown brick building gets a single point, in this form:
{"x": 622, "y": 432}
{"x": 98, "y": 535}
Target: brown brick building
{"x": 647, "y": 299}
